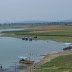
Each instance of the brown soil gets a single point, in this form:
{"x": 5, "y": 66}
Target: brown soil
{"x": 46, "y": 31}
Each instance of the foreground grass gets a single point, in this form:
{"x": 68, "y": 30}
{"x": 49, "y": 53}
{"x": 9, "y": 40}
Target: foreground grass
{"x": 61, "y": 61}
{"x": 55, "y": 70}
{"x": 58, "y": 64}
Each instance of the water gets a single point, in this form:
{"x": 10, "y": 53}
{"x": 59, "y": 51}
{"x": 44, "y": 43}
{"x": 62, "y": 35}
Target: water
{"x": 11, "y": 48}
{"x": 11, "y": 29}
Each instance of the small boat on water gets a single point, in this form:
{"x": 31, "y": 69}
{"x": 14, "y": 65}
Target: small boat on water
{"x": 23, "y": 38}
{"x": 35, "y": 37}
{"x": 68, "y": 46}
{"x": 24, "y": 60}
{"x": 26, "y": 38}
{"x": 30, "y": 39}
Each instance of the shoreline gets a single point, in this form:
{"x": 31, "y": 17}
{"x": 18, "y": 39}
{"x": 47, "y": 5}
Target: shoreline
{"x": 47, "y": 58}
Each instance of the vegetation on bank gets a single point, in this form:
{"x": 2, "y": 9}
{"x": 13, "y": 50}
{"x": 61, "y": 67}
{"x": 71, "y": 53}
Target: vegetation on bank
{"x": 61, "y": 33}
{"x": 58, "y": 64}
{"x": 54, "y": 70}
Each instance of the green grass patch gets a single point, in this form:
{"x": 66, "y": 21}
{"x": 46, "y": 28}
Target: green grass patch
{"x": 54, "y": 70}
{"x": 60, "y": 62}
{"x": 61, "y": 36}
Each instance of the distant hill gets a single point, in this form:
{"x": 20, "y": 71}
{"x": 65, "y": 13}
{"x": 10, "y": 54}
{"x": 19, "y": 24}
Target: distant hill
{"x": 69, "y": 20}
{"x": 34, "y": 21}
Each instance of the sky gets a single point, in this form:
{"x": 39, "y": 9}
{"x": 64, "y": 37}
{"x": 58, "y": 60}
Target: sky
{"x": 38, "y": 10}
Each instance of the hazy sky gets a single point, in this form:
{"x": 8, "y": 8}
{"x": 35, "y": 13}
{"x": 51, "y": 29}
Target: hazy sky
{"x": 46, "y": 10}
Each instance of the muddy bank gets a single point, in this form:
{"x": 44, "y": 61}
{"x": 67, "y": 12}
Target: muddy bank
{"x": 47, "y": 58}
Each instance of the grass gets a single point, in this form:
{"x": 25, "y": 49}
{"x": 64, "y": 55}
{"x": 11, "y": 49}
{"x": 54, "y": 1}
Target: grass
{"x": 58, "y": 64}
{"x": 55, "y": 70}
{"x": 44, "y": 32}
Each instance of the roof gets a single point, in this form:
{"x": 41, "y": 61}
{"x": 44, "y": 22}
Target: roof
{"x": 67, "y": 43}
{"x": 21, "y": 57}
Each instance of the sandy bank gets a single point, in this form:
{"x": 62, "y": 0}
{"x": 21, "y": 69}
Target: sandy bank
{"x": 48, "y": 57}
{"x": 51, "y": 56}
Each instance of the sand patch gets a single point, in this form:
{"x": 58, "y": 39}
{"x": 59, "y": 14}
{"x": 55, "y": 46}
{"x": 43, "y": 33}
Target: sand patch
{"x": 46, "y": 31}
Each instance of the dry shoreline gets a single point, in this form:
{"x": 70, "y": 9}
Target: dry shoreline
{"x": 48, "y": 57}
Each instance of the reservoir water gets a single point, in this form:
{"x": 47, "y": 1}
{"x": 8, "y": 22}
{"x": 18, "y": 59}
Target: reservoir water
{"x": 11, "y": 29}
{"x": 11, "y": 48}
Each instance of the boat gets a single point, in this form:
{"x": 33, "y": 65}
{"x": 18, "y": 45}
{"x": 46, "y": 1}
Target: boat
{"x": 23, "y": 38}
{"x": 26, "y": 38}
{"x": 30, "y": 39}
{"x": 24, "y": 60}
{"x": 68, "y": 46}
{"x": 35, "y": 37}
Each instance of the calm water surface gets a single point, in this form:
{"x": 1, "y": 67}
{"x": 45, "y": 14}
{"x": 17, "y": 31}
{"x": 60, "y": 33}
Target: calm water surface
{"x": 11, "y": 48}
{"x": 11, "y": 29}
